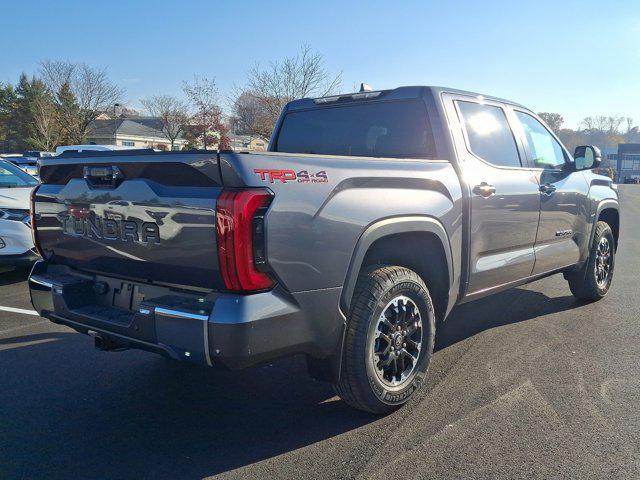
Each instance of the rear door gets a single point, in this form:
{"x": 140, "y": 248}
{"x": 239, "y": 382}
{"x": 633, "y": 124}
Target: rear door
{"x": 142, "y": 217}
{"x": 564, "y": 208}
{"x": 504, "y": 192}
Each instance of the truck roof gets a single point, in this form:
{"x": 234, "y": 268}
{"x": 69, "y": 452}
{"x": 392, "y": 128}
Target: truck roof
{"x": 399, "y": 93}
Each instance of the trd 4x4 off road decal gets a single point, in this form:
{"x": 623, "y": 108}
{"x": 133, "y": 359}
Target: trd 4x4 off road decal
{"x": 286, "y": 176}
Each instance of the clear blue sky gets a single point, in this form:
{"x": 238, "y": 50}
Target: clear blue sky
{"x": 577, "y": 58}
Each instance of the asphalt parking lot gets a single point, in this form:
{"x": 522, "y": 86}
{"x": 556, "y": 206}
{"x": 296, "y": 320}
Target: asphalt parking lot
{"x": 525, "y": 384}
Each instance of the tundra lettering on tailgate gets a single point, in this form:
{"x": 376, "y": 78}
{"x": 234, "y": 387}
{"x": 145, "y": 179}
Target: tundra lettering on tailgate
{"x": 90, "y": 226}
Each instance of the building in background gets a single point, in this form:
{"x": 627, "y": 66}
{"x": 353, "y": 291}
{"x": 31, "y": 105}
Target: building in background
{"x": 132, "y": 132}
{"x": 247, "y": 143}
{"x": 626, "y": 161}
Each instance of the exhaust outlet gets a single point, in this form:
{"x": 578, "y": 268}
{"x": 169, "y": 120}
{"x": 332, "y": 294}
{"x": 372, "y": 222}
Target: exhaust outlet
{"x": 105, "y": 344}
{"x": 99, "y": 343}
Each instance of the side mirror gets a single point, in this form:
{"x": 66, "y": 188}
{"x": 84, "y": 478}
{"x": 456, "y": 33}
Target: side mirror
{"x": 587, "y": 157}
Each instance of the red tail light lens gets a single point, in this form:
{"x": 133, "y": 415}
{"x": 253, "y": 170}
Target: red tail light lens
{"x": 236, "y": 211}
{"x": 32, "y": 221}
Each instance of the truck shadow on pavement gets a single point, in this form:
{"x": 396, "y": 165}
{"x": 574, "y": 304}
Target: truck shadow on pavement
{"x": 511, "y": 306}
{"x": 67, "y": 411}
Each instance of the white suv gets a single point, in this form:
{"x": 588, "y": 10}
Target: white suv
{"x": 16, "y": 244}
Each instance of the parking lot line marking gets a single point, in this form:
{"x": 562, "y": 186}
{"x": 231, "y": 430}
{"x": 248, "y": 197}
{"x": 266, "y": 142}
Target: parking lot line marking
{"x": 9, "y": 332}
{"x": 26, "y": 344}
{"x": 19, "y": 310}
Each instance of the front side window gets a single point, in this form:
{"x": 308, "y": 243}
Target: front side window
{"x": 545, "y": 150}
{"x": 12, "y": 177}
{"x": 489, "y": 134}
{"x": 398, "y": 129}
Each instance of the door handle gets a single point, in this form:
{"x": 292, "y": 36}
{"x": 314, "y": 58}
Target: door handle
{"x": 547, "y": 188}
{"x": 484, "y": 190}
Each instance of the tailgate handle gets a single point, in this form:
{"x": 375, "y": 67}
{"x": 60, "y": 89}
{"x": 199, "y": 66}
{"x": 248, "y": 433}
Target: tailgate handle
{"x": 110, "y": 176}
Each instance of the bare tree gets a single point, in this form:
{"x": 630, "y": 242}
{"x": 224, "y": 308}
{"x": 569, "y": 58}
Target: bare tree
{"x": 47, "y": 133}
{"x": 588, "y": 123}
{"x": 57, "y": 73}
{"x": 91, "y": 89}
{"x": 173, "y": 113}
{"x": 304, "y": 75}
{"x": 608, "y": 125}
{"x": 206, "y": 120}
{"x": 613, "y": 124}
{"x": 250, "y": 116}
{"x": 630, "y": 126}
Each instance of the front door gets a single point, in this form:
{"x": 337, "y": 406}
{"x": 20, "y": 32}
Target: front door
{"x": 564, "y": 207}
{"x": 504, "y": 193}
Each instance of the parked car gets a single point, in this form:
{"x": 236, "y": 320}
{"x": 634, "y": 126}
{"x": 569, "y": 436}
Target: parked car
{"x": 27, "y": 165}
{"x": 92, "y": 148}
{"x": 633, "y": 180}
{"x": 372, "y": 215}
{"x": 37, "y": 154}
{"x": 16, "y": 244}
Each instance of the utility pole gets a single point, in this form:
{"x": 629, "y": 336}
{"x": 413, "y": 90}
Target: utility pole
{"x": 115, "y": 123}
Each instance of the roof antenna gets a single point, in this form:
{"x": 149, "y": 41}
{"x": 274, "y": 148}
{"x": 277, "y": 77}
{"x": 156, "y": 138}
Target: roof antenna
{"x": 365, "y": 87}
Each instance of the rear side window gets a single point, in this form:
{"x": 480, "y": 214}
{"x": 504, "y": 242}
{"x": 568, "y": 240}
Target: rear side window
{"x": 383, "y": 129}
{"x": 489, "y": 134}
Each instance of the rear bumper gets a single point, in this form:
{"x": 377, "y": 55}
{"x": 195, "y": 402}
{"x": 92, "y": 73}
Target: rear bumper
{"x": 233, "y": 331}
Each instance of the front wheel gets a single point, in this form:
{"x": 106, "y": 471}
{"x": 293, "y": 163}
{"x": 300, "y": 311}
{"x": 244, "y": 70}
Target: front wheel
{"x": 593, "y": 280}
{"x": 389, "y": 340}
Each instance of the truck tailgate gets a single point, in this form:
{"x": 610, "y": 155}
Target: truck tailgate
{"x": 146, "y": 217}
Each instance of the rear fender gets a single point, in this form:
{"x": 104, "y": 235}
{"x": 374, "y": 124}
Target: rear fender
{"x": 388, "y": 227}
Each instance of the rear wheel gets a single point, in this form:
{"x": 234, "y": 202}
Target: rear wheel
{"x": 389, "y": 340}
{"x": 593, "y": 280}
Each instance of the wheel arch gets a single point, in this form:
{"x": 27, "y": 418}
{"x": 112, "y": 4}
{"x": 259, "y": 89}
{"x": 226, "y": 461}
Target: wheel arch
{"x": 394, "y": 241}
{"x": 609, "y": 212}
{"x": 612, "y": 217}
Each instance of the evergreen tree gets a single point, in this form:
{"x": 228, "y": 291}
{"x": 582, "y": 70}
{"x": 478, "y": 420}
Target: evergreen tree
{"x": 29, "y": 94}
{"x": 8, "y": 122}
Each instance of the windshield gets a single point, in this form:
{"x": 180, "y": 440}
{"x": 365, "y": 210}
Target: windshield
{"x": 12, "y": 177}
{"x": 381, "y": 129}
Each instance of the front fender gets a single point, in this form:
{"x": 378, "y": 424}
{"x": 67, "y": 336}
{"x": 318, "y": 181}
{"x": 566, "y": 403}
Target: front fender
{"x": 602, "y": 196}
{"x": 603, "y": 205}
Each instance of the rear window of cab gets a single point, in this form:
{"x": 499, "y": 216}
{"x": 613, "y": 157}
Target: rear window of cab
{"x": 398, "y": 129}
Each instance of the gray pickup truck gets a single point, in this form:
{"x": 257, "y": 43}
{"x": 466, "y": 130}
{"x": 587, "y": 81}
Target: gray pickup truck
{"x": 370, "y": 217}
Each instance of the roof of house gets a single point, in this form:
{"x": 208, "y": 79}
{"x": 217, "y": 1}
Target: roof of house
{"x": 151, "y": 122}
{"x": 141, "y": 127}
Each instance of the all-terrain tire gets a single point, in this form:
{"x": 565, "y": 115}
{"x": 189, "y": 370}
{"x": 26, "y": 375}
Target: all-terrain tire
{"x": 361, "y": 383}
{"x": 584, "y": 283}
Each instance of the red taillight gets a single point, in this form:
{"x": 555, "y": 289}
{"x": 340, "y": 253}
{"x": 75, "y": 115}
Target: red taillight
{"x": 236, "y": 210}
{"x": 32, "y": 217}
